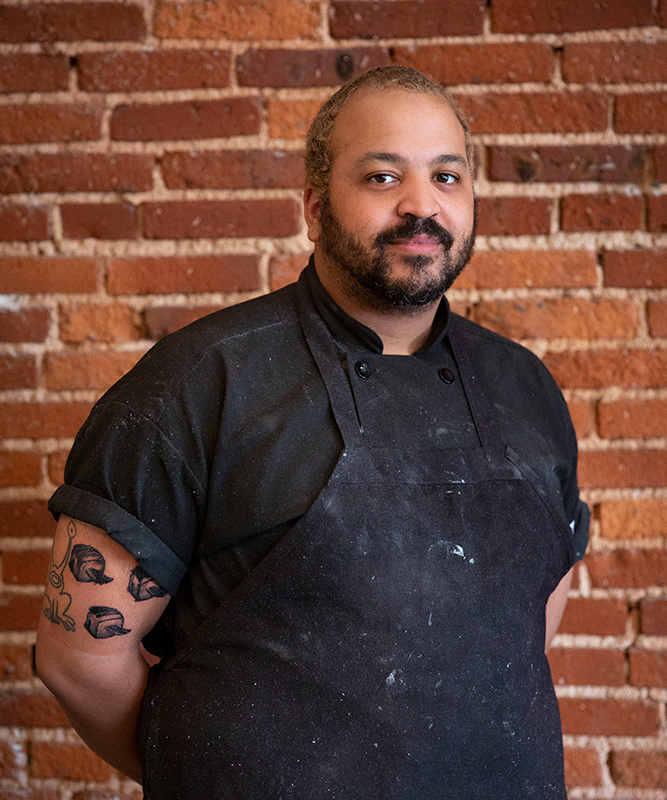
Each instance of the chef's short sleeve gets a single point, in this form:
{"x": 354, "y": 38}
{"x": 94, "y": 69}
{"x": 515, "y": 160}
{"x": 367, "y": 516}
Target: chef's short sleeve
{"x": 129, "y": 478}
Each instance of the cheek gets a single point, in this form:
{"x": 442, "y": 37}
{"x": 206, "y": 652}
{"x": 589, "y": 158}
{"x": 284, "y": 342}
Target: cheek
{"x": 459, "y": 218}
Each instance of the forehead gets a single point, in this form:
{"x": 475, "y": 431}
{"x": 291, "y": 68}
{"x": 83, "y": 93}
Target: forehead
{"x": 396, "y": 120}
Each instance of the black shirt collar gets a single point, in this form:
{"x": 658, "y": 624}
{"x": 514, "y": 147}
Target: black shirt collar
{"x": 353, "y": 334}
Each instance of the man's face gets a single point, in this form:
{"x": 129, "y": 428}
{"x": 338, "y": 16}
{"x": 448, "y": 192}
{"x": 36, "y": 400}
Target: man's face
{"x": 397, "y": 226}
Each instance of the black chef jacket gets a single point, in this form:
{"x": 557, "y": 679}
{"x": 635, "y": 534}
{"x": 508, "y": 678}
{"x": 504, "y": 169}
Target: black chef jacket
{"x": 221, "y": 437}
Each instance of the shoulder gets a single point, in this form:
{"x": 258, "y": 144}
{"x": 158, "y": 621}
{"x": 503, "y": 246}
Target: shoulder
{"x": 528, "y": 404}
{"x": 500, "y": 359}
{"x": 197, "y": 358}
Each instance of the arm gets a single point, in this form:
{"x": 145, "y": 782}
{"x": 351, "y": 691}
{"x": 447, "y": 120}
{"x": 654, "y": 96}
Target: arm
{"x": 556, "y": 607}
{"x": 96, "y": 610}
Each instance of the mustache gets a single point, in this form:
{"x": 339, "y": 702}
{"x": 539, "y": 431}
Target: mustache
{"x": 416, "y": 227}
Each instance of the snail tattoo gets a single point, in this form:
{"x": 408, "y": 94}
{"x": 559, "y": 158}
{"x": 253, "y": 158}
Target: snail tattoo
{"x": 57, "y": 599}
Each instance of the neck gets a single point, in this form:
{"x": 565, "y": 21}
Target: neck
{"x": 402, "y": 330}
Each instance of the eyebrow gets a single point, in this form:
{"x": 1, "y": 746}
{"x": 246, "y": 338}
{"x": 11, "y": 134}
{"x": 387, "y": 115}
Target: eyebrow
{"x": 395, "y": 158}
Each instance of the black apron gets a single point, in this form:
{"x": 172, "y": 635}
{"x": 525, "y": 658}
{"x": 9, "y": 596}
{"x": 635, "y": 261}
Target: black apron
{"x": 390, "y": 647}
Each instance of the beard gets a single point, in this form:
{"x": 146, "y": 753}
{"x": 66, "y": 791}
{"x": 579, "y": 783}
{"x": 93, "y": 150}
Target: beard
{"x": 367, "y": 274}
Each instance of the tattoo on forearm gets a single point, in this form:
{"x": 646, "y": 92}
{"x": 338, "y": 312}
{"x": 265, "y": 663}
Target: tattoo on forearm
{"x": 87, "y": 565}
{"x": 102, "y": 622}
{"x": 142, "y": 586}
{"x": 57, "y": 599}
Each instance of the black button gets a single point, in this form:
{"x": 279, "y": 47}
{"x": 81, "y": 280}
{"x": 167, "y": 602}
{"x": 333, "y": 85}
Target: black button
{"x": 446, "y": 375}
{"x": 363, "y": 369}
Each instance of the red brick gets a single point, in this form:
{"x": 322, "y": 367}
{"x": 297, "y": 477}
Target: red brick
{"x": 13, "y": 760}
{"x": 18, "y": 468}
{"x": 633, "y": 519}
{"x": 641, "y": 113}
{"x": 631, "y": 568}
{"x": 514, "y": 216}
{"x": 648, "y": 668}
{"x": 25, "y": 274}
{"x": 654, "y": 616}
{"x": 450, "y": 64}
{"x": 154, "y": 70}
{"x": 76, "y": 172}
{"x": 68, "y": 22}
{"x": 657, "y": 214}
{"x": 233, "y": 169}
{"x": 405, "y": 19}
{"x": 556, "y": 319}
{"x": 49, "y": 123}
{"x": 230, "y": 20}
{"x": 660, "y": 158}
{"x": 561, "y": 16}
{"x": 30, "y": 794}
{"x": 101, "y": 794}
{"x": 662, "y": 14}
{"x": 99, "y": 220}
{"x": 290, "y": 119}
{"x": 192, "y": 119}
{"x": 657, "y": 317}
{"x": 285, "y": 270}
{"x": 635, "y": 269}
{"x": 639, "y": 769}
{"x": 19, "y": 613}
{"x": 529, "y": 268}
{"x": 18, "y": 371}
{"x": 31, "y": 710}
{"x": 300, "y": 68}
{"x": 33, "y": 72}
{"x": 15, "y": 662}
{"x": 26, "y": 567}
{"x": 23, "y": 223}
{"x": 582, "y": 767}
{"x": 97, "y": 370}
{"x": 70, "y": 762}
{"x": 587, "y": 667}
{"x": 528, "y": 112}
{"x": 26, "y": 518}
{"x": 622, "y": 468}
{"x": 56, "y": 466}
{"x": 592, "y": 369}
{"x": 166, "y": 319}
{"x": 606, "y": 163}
{"x": 184, "y": 274}
{"x": 603, "y": 212}
{"x": 633, "y": 419}
{"x": 595, "y": 616}
{"x": 24, "y": 325}
{"x": 32, "y": 420}
{"x": 217, "y": 219}
{"x": 98, "y": 323}
{"x": 580, "y": 413}
{"x": 593, "y": 717}
{"x": 615, "y": 62}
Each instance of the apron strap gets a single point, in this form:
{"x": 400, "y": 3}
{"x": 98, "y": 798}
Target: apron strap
{"x": 325, "y": 353}
{"x": 480, "y": 408}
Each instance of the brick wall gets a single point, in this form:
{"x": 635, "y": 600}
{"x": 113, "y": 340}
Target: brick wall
{"x": 150, "y": 171}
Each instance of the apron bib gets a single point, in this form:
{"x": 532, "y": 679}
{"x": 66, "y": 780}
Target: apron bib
{"x": 390, "y": 647}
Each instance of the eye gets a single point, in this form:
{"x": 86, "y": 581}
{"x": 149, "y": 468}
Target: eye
{"x": 381, "y": 178}
{"x": 446, "y": 177}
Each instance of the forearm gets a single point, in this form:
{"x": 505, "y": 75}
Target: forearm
{"x": 102, "y": 698}
{"x": 556, "y": 607}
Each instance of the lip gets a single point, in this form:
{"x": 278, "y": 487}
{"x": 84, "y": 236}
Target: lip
{"x": 417, "y": 244}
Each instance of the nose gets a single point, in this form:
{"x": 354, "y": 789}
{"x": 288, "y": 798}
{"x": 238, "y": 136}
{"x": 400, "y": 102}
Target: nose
{"x": 418, "y": 198}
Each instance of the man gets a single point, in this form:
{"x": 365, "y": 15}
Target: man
{"x": 363, "y": 506}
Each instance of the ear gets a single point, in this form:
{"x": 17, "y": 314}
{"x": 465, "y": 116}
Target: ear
{"x": 312, "y": 206}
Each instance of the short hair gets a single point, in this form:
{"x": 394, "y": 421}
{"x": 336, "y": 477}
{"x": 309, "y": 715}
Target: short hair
{"x": 319, "y": 155}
